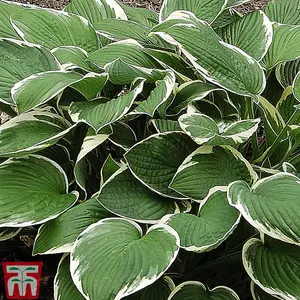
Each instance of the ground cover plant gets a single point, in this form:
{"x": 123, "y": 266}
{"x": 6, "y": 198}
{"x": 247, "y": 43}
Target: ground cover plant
{"x": 157, "y": 153}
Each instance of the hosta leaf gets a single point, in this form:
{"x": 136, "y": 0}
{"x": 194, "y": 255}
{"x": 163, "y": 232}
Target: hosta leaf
{"x": 194, "y": 290}
{"x": 143, "y": 16}
{"x": 162, "y": 126}
{"x": 110, "y": 166}
{"x": 91, "y": 85}
{"x": 159, "y": 95}
{"x": 173, "y": 61}
{"x": 8, "y": 8}
{"x": 72, "y": 57}
{"x": 217, "y": 61}
{"x": 206, "y": 10}
{"x": 287, "y": 71}
{"x": 31, "y": 132}
{"x": 39, "y": 88}
{"x": 159, "y": 290}
{"x": 20, "y": 60}
{"x": 102, "y": 112}
{"x": 129, "y": 51}
{"x": 274, "y": 266}
{"x": 284, "y": 11}
{"x": 7, "y": 233}
{"x": 59, "y": 235}
{"x": 296, "y": 87}
{"x": 285, "y": 45}
{"x": 259, "y": 294}
{"x": 52, "y": 29}
{"x": 189, "y": 92}
{"x": 33, "y": 190}
{"x": 121, "y": 72}
{"x": 214, "y": 222}
{"x": 123, "y": 136}
{"x": 125, "y": 196}
{"x": 155, "y": 160}
{"x": 252, "y": 33}
{"x": 90, "y": 142}
{"x": 118, "y": 247}
{"x": 64, "y": 288}
{"x": 208, "y": 168}
{"x": 263, "y": 204}
{"x": 204, "y": 130}
{"x": 117, "y": 30}
{"x": 96, "y": 10}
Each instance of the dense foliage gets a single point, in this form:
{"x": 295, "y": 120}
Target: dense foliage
{"x": 159, "y": 154}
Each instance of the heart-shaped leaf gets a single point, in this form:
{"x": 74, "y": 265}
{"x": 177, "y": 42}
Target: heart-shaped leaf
{"x": 20, "y": 60}
{"x": 263, "y": 204}
{"x": 112, "y": 259}
{"x": 217, "y": 61}
{"x": 204, "y": 130}
{"x": 125, "y": 196}
{"x": 155, "y": 160}
{"x": 274, "y": 266}
{"x": 59, "y": 235}
{"x": 194, "y": 290}
{"x": 33, "y": 190}
{"x": 53, "y": 28}
{"x": 215, "y": 221}
{"x": 210, "y": 167}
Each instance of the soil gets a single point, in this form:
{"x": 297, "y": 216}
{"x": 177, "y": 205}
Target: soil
{"x": 19, "y": 248}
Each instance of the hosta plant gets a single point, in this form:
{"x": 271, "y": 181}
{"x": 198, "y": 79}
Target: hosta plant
{"x": 158, "y": 154}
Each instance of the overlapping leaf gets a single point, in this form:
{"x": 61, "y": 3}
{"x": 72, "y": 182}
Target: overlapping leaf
{"x": 274, "y": 266}
{"x": 20, "y": 60}
{"x": 262, "y": 205}
{"x": 206, "y": 10}
{"x": 125, "y": 196}
{"x": 287, "y": 71}
{"x": 155, "y": 160}
{"x": 39, "y": 88}
{"x": 208, "y": 168}
{"x": 285, "y": 45}
{"x": 214, "y": 222}
{"x": 102, "y": 112}
{"x": 52, "y": 29}
{"x": 192, "y": 290}
{"x": 33, "y": 190}
{"x": 118, "y": 247}
{"x": 204, "y": 130}
{"x": 284, "y": 11}
{"x": 64, "y": 288}
{"x": 218, "y": 62}
{"x": 59, "y": 235}
{"x": 252, "y": 33}
{"x": 31, "y": 132}
{"x": 95, "y": 10}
